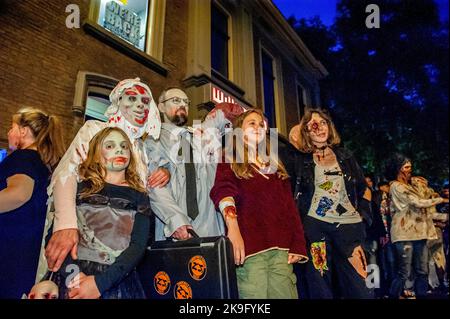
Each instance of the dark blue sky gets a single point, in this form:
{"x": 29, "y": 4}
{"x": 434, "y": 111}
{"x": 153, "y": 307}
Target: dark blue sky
{"x": 326, "y": 9}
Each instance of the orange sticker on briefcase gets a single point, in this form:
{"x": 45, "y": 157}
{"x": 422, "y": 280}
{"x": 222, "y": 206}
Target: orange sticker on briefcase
{"x": 197, "y": 267}
{"x": 182, "y": 290}
{"x": 162, "y": 282}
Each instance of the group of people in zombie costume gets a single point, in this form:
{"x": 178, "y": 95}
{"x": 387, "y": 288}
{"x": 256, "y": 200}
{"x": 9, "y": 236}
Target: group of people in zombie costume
{"x": 126, "y": 182}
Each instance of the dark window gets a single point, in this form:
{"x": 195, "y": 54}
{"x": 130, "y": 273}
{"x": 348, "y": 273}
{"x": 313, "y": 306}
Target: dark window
{"x": 219, "y": 40}
{"x": 301, "y": 101}
{"x": 269, "y": 89}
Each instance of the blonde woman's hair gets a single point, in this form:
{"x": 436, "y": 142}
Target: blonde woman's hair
{"x": 93, "y": 171}
{"x": 47, "y": 132}
{"x": 304, "y": 142}
{"x": 244, "y": 169}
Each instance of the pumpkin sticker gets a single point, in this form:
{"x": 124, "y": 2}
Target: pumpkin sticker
{"x": 162, "y": 282}
{"x": 197, "y": 267}
{"x": 182, "y": 290}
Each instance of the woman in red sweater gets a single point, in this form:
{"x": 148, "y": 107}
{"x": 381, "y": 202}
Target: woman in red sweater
{"x": 253, "y": 193}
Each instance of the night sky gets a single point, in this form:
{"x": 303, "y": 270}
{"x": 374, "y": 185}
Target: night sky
{"x": 326, "y": 9}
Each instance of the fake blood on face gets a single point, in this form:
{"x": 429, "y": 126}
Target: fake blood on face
{"x": 144, "y": 119}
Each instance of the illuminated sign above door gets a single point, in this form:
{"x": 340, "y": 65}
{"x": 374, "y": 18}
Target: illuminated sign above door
{"x": 220, "y": 96}
{"x": 122, "y": 22}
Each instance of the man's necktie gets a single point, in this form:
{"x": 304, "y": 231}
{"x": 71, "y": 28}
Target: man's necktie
{"x": 191, "y": 180}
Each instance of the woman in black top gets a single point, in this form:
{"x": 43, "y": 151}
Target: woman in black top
{"x": 334, "y": 200}
{"x": 35, "y": 139}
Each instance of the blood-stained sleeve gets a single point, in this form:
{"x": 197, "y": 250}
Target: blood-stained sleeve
{"x": 225, "y": 185}
{"x": 64, "y": 180}
{"x": 407, "y": 197}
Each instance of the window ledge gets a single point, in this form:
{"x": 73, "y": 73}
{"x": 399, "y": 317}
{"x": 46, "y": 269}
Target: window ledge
{"x": 120, "y": 45}
{"x": 225, "y": 83}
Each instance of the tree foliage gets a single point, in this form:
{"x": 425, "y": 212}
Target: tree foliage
{"x": 388, "y": 87}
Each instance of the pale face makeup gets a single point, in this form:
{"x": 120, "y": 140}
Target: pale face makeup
{"x": 176, "y": 106}
{"x": 115, "y": 152}
{"x": 254, "y": 129}
{"x": 318, "y": 130}
{"x": 134, "y": 105}
{"x": 44, "y": 290}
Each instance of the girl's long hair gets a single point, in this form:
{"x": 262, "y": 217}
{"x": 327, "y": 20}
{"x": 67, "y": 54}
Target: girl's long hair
{"x": 239, "y": 158}
{"x": 93, "y": 171}
{"x": 47, "y": 131}
{"x": 304, "y": 142}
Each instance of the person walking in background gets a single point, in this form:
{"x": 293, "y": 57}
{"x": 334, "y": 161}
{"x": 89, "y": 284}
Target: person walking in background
{"x": 377, "y": 239}
{"x": 443, "y": 209}
{"x": 410, "y": 228}
{"x": 381, "y": 208}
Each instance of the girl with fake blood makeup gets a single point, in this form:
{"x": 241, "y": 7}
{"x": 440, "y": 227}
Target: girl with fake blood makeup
{"x": 134, "y": 111}
{"x": 113, "y": 217}
{"x": 333, "y": 198}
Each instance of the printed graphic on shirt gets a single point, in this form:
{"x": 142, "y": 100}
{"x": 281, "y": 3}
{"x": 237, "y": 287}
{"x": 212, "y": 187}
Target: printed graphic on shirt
{"x": 197, "y": 267}
{"x": 340, "y": 209}
{"x": 326, "y": 186}
{"x": 182, "y": 290}
{"x": 325, "y": 205}
{"x": 162, "y": 282}
{"x": 319, "y": 256}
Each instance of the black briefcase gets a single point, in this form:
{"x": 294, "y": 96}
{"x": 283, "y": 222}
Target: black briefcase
{"x": 197, "y": 268}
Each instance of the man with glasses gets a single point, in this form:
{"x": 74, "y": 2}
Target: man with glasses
{"x": 190, "y": 206}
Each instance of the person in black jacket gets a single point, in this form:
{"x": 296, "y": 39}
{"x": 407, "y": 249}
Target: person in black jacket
{"x": 333, "y": 199}
{"x": 379, "y": 232}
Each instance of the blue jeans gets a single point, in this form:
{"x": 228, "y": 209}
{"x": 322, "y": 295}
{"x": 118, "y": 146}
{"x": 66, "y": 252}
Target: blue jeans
{"x": 411, "y": 255}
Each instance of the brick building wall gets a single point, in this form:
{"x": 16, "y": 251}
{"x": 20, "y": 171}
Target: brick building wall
{"x": 40, "y": 58}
